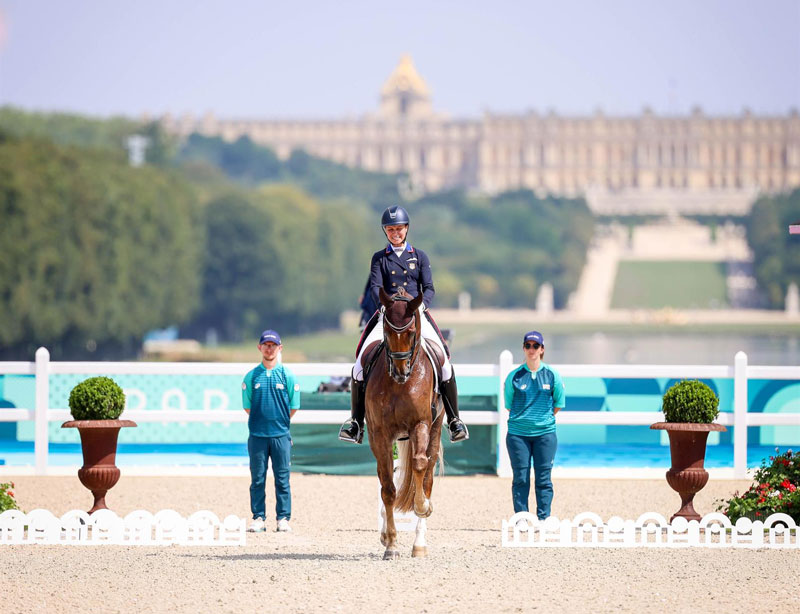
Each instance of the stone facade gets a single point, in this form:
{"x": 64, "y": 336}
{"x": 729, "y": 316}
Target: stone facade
{"x": 623, "y": 165}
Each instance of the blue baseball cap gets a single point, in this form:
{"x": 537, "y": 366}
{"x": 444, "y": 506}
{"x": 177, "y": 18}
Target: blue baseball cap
{"x": 270, "y": 335}
{"x": 533, "y": 335}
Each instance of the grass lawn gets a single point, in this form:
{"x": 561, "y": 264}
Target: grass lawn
{"x": 682, "y": 285}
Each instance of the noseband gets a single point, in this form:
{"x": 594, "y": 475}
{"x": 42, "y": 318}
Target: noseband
{"x": 407, "y": 356}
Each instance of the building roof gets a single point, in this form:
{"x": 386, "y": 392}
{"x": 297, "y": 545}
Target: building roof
{"x": 405, "y": 78}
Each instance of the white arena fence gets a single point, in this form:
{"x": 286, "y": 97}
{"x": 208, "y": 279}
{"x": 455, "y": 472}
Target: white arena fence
{"x": 741, "y": 372}
{"x": 139, "y": 528}
{"x": 650, "y": 530}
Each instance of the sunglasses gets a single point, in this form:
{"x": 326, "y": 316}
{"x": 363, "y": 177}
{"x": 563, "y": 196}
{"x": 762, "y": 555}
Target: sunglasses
{"x": 533, "y": 345}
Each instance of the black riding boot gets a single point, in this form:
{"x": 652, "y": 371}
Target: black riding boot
{"x": 458, "y": 430}
{"x": 353, "y": 429}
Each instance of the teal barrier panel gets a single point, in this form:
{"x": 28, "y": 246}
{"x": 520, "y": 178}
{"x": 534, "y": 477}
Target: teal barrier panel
{"x": 318, "y": 450}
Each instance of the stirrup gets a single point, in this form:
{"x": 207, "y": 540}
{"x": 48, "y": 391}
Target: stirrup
{"x": 344, "y": 435}
{"x": 458, "y": 430}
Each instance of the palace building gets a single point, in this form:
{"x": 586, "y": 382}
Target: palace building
{"x": 645, "y": 164}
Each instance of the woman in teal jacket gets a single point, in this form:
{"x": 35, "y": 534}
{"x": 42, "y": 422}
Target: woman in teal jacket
{"x": 534, "y": 394}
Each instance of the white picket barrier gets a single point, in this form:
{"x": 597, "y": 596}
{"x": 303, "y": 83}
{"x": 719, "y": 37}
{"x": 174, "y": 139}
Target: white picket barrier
{"x": 651, "y": 530}
{"x": 104, "y": 527}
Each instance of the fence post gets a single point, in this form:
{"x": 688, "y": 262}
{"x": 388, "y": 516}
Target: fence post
{"x": 40, "y": 431}
{"x": 740, "y": 415}
{"x": 503, "y": 461}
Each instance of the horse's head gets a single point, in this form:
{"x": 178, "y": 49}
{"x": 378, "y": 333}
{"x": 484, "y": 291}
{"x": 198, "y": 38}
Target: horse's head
{"x": 402, "y": 331}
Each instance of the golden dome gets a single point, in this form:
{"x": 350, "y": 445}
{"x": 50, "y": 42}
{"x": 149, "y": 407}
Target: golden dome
{"x": 405, "y": 78}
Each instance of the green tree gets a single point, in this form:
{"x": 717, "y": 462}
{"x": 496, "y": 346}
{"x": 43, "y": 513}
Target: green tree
{"x": 276, "y": 257}
{"x": 776, "y": 254}
{"x": 95, "y": 252}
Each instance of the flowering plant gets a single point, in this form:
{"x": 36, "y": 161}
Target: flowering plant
{"x": 776, "y": 488}
{"x": 7, "y": 501}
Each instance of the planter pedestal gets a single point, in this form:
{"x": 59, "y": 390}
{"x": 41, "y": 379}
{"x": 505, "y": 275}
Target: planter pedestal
{"x": 99, "y": 445}
{"x": 687, "y": 447}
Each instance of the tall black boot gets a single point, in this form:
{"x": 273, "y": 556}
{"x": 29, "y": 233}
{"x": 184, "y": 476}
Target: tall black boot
{"x": 353, "y": 429}
{"x": 458, "y": 430}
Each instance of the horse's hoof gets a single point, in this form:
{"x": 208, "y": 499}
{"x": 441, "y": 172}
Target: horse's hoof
{"x": 419, "y": 551}
{"x": 427, "y": 513}
{"x": 391, "y": 555}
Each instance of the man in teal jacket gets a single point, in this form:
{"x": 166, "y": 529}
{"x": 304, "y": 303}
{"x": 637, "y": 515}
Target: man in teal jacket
{"x": 270, "y": 396}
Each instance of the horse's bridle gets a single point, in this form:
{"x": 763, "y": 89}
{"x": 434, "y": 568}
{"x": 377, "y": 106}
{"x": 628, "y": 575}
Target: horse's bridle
{"x": 410, "y": 355}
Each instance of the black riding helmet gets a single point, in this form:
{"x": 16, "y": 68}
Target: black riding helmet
{"x": 393, "y": 216}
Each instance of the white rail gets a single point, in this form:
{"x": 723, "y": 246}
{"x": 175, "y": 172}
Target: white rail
{"x": 42, "y": 414}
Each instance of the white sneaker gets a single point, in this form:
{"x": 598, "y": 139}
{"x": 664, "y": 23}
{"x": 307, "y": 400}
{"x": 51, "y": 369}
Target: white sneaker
{"x": 257, "y": 526}
{"x": 283, "y": 526}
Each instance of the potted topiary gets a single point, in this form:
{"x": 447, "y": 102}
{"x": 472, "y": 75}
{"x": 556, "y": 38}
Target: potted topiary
{"x": 690, "y": 408}
{"x": 96, "y": 404}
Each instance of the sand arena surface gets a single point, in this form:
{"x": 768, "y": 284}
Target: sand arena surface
{"x": 331, "y": 562}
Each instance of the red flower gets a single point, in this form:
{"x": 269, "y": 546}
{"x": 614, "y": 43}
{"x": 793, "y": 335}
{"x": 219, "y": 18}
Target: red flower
{"x": 758, "y": 513}
{"x": 761, "y": 500}
{"x": 786, "y": 483}
{"x": 791, "y": 487}
{"x": 786, "y": 463}
{"x": 10, "y": 493}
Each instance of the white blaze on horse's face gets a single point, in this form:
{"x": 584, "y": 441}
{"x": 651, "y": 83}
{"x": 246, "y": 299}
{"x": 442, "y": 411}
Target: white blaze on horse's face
{"x": 401, "y": 340}
{"x": 400, "y": 347}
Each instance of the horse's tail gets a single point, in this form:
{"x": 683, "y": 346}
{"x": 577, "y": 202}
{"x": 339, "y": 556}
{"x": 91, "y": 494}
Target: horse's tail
{"x": 404, "y": 502}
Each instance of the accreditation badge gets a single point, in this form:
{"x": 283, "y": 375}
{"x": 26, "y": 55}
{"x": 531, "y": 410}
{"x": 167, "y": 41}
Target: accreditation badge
{"x": 412, "y": 266}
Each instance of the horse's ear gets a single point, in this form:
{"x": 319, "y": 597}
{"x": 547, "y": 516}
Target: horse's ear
{"x": 385, "y": 299}
{"x": 414, "y": 304}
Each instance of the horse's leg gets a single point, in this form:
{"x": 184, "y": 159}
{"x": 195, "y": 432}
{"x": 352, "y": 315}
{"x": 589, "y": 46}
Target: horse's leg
{"x": 420, "y": 548}
{"x": 419, "y": 465}
{"x": 383, "y": 455}
{"x": 434, "y": 447}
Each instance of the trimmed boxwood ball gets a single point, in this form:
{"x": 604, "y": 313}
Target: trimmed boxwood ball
{"x": 690, "y": 401}
{"x": 96, "y": 398}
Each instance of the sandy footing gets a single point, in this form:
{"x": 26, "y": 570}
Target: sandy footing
{"x": 332, "y": 560}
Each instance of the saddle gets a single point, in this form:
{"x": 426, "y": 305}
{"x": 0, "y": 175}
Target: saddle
{"x": 436, "y": 355}
{"x": 368, "y": 357}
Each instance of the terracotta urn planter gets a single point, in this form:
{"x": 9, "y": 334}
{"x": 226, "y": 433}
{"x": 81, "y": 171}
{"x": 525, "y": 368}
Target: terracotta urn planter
{"x": 687, "y": 475}
{"x": 99, "y": 444}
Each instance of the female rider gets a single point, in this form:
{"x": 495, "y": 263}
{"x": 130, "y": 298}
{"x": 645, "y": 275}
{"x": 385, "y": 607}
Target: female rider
{"x": 399, "y": 265}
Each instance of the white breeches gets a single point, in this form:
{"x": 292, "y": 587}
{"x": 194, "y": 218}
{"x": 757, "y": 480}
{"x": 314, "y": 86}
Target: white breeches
{"x": 428, "y": 332}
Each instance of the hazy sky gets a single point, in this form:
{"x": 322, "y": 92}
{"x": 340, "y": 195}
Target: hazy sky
{"x": 329, "y": 58}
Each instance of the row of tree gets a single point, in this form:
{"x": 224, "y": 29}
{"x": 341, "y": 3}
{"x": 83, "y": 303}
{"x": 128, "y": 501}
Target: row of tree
{"x": 227, "y": 236}
{"x": 94, "y": 252}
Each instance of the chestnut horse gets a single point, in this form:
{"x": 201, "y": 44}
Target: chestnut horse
{"x": 401, "y": 402}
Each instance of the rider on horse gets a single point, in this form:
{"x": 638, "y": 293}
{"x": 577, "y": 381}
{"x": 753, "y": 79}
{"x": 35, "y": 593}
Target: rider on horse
{"x": 398, "y": 266}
